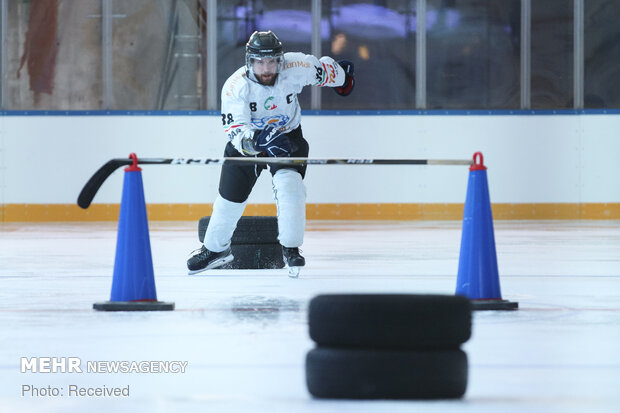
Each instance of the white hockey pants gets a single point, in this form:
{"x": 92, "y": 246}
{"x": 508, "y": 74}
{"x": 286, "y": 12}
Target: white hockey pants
{"x": 222, "y": 224}
{"x": 289, "y": 192}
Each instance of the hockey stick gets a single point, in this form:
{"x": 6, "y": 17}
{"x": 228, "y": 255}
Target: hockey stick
{"x": 94, "y": 183}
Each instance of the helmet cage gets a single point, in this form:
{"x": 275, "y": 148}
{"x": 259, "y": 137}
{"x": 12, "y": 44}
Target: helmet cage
{"x": 251, "y": 56}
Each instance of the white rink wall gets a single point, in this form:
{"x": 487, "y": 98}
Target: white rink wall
{"x": 531, "y": 158}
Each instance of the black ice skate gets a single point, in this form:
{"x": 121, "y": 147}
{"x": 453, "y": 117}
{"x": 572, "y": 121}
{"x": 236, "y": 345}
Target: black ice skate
{"x": 294, "y": 260}
{"x": 206, "y": 260}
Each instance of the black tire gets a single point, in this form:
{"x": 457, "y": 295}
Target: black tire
{"x": 386, "y": 374}
{"x": 392, "y": 321}
{"x": 255, "y": 257}
{"x": 250, "y": 230}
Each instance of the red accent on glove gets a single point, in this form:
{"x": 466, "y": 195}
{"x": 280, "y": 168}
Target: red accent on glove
{"x": 347, "y": 87}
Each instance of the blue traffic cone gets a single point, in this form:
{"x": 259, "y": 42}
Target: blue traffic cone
{"x": 133, "y": 284}
{"x": 478, "y": 277}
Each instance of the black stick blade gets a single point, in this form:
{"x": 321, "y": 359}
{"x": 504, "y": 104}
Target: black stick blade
{"x": 95, "y": 181}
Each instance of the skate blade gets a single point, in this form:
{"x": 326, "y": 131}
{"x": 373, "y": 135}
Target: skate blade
{"x": 293, "y": 272}
{"x": 213, "y": 265}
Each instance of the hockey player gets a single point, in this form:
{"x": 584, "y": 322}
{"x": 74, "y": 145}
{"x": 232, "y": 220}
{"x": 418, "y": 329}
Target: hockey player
{"x": 261, "y": 117}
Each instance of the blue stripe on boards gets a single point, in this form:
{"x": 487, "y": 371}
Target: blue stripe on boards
{"x": 439, "y": 112}
{"x": 461, "y": 112}
{"x": 110, "y": 113}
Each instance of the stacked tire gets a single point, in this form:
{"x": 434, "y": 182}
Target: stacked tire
{"x": 254, "y": 243}
{"x": 388, "y": 346}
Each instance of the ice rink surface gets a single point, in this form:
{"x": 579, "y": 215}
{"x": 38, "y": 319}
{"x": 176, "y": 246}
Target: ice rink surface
{"x": 244, "y": 334}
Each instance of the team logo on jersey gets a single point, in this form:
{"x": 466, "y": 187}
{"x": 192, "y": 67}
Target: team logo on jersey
{"x": 268, "y": 105}
{"x": 277, "y": 120}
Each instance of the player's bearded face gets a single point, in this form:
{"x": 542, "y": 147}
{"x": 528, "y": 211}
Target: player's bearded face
{"x": 265, "y": 70}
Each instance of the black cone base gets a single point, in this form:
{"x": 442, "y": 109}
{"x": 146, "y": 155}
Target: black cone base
{"x": 481, "y": 305}
{"x": 133, "y": 306}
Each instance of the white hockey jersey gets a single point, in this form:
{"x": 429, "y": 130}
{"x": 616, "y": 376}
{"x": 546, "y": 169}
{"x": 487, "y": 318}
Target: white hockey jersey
{"x": 248, "y": 106}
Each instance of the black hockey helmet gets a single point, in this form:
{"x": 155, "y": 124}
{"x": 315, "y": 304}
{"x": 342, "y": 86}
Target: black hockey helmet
{"x": 261, "y": 45}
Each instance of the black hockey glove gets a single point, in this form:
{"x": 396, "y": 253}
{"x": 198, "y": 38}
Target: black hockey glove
{"x": 349, "y": 80}
{"x": 271, "y": 141}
